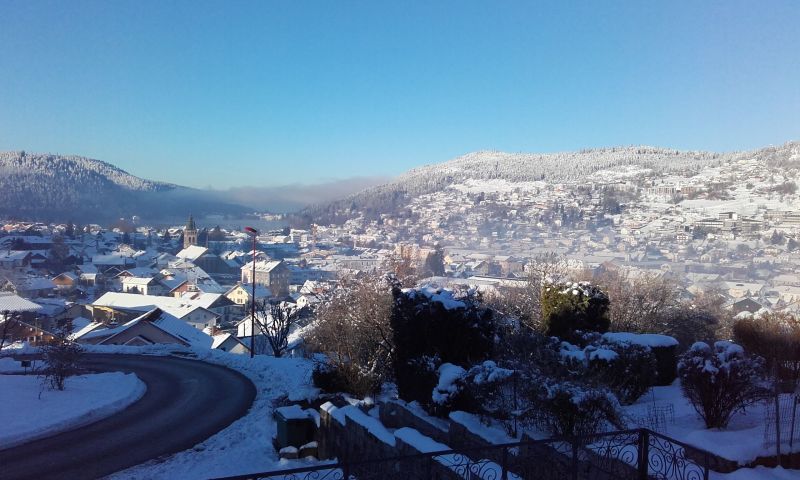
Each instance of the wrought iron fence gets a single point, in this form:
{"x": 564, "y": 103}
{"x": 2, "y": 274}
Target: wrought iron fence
{"x": 631, "y": 454}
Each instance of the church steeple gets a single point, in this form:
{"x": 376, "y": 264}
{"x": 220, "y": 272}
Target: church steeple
{"x": 190, "y": 233}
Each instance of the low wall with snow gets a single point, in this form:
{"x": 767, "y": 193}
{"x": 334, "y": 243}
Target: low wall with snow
{"x": 397, "y": 414}
{"x": 350, "y": 434}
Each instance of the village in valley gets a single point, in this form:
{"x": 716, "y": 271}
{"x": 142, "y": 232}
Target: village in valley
{"x": 450, "y": 240}
{"x": 682, "y": 258}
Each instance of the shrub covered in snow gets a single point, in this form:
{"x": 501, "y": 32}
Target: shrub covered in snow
{"x": 573, "y": 409}
{"x": 628, "y": 369}
{"x": 721, "y": 381}
{"x": 492, "y": 389}
{"x": 453, "y": 327}
{"x": 546, "y": 383}
{"x": 629, "y": 372}
{"x": 663, "y": 348}
{"x": 450, "y": 393}
{"x": 568, "y": 307}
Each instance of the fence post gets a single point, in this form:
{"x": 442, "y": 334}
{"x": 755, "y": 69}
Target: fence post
{"x": 644, "y": 454}
{"x": 516, "y": 406}
{"x": 574, "y": 459}
{"x": 504, "y": 465}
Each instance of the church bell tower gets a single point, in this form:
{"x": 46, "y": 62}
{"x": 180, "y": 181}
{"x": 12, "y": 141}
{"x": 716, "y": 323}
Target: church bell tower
{"x": 190, "y": 233}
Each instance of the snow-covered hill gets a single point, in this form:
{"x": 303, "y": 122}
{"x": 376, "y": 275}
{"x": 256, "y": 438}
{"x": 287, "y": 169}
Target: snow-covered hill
{"x": 55, "y": 187}
{"x": 476, "y": 168}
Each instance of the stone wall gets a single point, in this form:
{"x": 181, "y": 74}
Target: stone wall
{"x": 340, "y": 436}
{"x": 396, "y": 414}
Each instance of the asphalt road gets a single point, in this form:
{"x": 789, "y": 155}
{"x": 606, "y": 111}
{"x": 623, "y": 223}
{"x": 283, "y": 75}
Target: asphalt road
{"x": 186, "y": 402}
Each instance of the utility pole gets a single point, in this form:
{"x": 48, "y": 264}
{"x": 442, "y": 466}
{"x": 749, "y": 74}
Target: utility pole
{"x": 254, "y": 233}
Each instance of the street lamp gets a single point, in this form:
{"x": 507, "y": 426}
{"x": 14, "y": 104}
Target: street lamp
{"x": 253, "y": 233}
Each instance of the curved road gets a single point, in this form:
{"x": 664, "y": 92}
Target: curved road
{"x": 186, "y": 402}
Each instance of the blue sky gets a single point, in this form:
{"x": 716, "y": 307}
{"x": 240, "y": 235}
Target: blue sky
{"x": 268, "y": 93}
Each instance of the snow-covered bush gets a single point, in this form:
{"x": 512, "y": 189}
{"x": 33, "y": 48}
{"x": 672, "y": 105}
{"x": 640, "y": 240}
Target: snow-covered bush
{"x": 427, "y": 323}
{"x": 565, "y": 408}
{"x": 627, "y": 369}
{"x": 720, "y": 382}
{"x": 494, "y": 391}
{"x": 569, "y": 307}
{"x": 450, "y": 393}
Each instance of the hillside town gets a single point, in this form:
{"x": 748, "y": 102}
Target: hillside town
{"x": 729, "y": 229}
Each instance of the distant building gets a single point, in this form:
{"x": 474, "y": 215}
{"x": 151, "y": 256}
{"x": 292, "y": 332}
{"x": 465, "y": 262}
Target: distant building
{"x": 271, "y": 274}
{"x": 190, "y": 233}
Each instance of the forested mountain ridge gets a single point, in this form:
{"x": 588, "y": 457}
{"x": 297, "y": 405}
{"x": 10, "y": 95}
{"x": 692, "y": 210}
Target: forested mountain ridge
{"x": 54, "y": 187}
{"x": 552, "y": 168}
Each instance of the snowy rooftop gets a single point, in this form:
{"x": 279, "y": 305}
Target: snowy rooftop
{"x": 177, "y": 307}
{"x": 14, "y": 303}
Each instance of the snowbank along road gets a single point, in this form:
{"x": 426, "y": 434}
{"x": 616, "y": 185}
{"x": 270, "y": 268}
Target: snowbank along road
{"x": 186, "y": 402}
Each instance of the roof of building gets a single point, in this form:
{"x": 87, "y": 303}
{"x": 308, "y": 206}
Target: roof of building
{"x": 14, "y": 303}
{"x": 192, "y": 253}
{"x": 262, "y": 265}
{"x": 176, "y": 307}
{"x": 160, "y": 319}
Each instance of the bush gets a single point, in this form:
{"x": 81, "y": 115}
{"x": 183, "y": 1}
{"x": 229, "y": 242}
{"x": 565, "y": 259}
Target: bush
{"x": 720, "y": 382}
{"x": 61, "y": 360}
{"x": 425, "y": 378}
{"x": 629, "y": 372}
{"x": 336, "y": 378}
{"x": 776, "y": 338}
{"x": 451, "y": 392}
{"x": 493, "y": 390}
{"x": 574, "y": 410}
{"x": 569, "y": 307}
{"x": 624, "y": 366}
{"x": 428, "y": 323}
{"x": 352, "y": 331}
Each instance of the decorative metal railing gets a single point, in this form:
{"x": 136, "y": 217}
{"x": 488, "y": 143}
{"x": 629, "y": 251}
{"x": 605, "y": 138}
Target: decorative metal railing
{"x": 630, "y": 454}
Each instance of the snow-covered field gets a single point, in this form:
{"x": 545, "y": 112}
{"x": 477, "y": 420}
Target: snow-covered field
{"x": 758, "y": 473}
{"x": 742, "y": 441}
{"x": 31, "y": 411}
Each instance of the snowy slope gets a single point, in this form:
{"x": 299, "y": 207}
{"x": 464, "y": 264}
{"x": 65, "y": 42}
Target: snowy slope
{"x": 46, "y": 186}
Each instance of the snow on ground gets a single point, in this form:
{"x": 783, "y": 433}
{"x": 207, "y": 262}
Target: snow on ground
{"x": 742, "y": 441}
{"x": 496, "y": 185}
{"x": 758, "y": 473}
{"x": 31, "y": 411}
{"x": 245, "y": 446}
{"x": 9, "y": 365}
